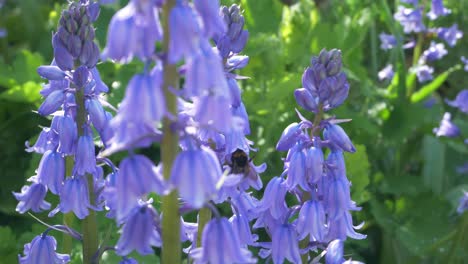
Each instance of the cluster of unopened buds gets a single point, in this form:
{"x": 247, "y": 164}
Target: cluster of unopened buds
{"x": 208, "y": 122}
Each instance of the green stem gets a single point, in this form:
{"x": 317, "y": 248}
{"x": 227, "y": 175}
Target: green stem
{"x": 89, "y": 224}
{"x": 68, "y": 218}
{"x": 416, "y": 54}
{"x": 204, "y": 216}
{"x": 171, "y": 249}
{"x": 307, "y": 195}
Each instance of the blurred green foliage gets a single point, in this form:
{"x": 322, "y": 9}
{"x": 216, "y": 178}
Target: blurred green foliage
{"x": 403, "y": 176}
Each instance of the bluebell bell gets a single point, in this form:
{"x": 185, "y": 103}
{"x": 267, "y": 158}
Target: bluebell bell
{"x": 285, "y": 244}
{"x": 447, "y": 128}
{"x": 220, "y": 244}
{"x": 97, "y": 114}
{"x": 435, "y": 52}
{"x": 205, "y": 73}
{"x": 338, "y": 198}
{"x": 305, "y": 99}
{"x": 128, "y": 261}
{"x": 42, "y": 250}
{"x": 410, "y": 19}
{"x": 312, "y": 221}
{"x": 463, "y": 203}
{"x": 451, "y": 35}
{"x": 63, "y": 58}
{"x": 144, "y": 95}
{"x": 234, "y": 91}
{"x": 74, "y": 196}
{"x": 85, "y": 157}
{"x": 81, "y": 76}
{"x": 47, "y": 140}
{"x": 140, "y": 231}
{"x": 465, "y": 61}
{"x": 386, "y": 73}
{"x": 335, "y": 252}
{"x": 387, "y": 41}
{"x": 423, "y": 72}
{"x": 213, "y": 111}
{"x": 137, "y": 177}
{"x": 68, "y": 135}
{"x": 133, "y": 31}
{"x": 289, "y": 137}
{"x": 437, "y": 10}
{"x": 32, "y": 197}
{"x": 273, "y": 199}
{"x": 185, "y": 32}
{"x": 338, "y": 137}
{"x": 460, "y": 101}
{"x": 52, "y": 102}
{"x": 51, "y": 171}
{"x": 195, "y": 173}
{"x": 240, "y": 225}
{"x": 343, "y": 227}
{"x": 297, "y": 170}
{"x": 51, "y": 73}
{"x": 241, "y": 113}
{"x": 213, "y": 24}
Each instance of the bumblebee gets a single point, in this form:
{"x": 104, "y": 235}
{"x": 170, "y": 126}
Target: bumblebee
{"x": 240, "y": 162}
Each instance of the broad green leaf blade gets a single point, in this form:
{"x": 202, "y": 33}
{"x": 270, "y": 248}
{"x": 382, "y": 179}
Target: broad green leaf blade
{"x": 434, "y": 163}
{"x": 428, "y": 89}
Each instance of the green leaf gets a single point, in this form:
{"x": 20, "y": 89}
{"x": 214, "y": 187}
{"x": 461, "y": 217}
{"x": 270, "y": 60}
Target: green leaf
{"x": 433, "y": 152}
{"x": 28, "y": 93}
{"x": 357, "y": 167}
{"x": 428, "y": 89}
{"x": 8, "y": 249}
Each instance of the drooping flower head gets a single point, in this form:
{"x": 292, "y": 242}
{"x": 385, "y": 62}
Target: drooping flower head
{"x": 42, "y": 250}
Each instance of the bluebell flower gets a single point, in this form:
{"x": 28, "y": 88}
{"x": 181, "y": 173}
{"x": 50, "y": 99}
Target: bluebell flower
{"x": 85, "y": 157}
{"x": 240, "y": 225}
{"x": 273, "y": 198}
{"x": 386, "y": 73}
{"x": 435, "y": 52}
{"x": 32, "y": 197}
{"x": 47, "y": 140}
{"x": 221, "y": 244}
{"x": 52, "y": 102}
{"x": 465, "y": 61}
{"x": 285, "y": 245}
{"x": 137, "y": 177}
{"x": 128, "y": 261}
{"x": 205, "y": 74}
{"x": 97, "y": 114}
{"x": 213, "y": 24}
{"x": 51, "y": 72}
{"x": 463, "y": 203}
{"x": 312, "y": 221}
{"x": 343, "y": 227}
{"x": 423, "y": 72}
{"x": 74, "y": 196}
{"x": 67, "y": 134}
{"x": 236, "y": 37}
{"x": 289, "y": 137}
{"x": 387, "y": 41}
{"x": 461, "y": 101}
{"x": 140, "y": 231}
{"x": 451, "y": 35}
{"x": 185, "y": 32}
{"x": 144, "y": 95}
{"x": 42, "y": 250}
{"x": 133, "y": 31}
{"x": 338, "y": 137}
{"x": 410, "y": 19}
{"x": 437, "y": 10}
{"x": 213, "y": 111}
{"x": 335, "y": 252}
{"x": 196, "y": 173}
{"x": 338, "y": 198}
{"x": 447, "y": 128}
{"x": 51, "y": 171}
{"x": 241, "y": 113}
